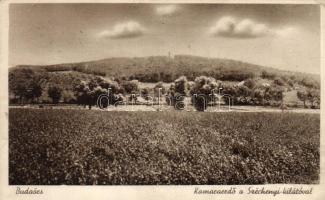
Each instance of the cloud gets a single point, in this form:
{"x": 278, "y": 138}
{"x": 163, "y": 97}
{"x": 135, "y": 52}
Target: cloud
{"x": 231, "y": 27}
{"x": 130, "y": 29}
{"x": 166, "y": 10}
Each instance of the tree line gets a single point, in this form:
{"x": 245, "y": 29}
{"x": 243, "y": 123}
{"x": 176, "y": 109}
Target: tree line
{"x": 27, "y": 86}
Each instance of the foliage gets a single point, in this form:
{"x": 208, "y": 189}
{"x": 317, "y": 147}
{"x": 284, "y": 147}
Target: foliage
{"x": 145, "y": 93}
{"x": 250, "y": 83}
{"x": 310, "y": 83}
{"x": 68, "y": 97}
{"x": 177, "y": 93}
{"x": 202, "y": 90}
{"x": 267, "y": 75}
{"x": 55, "y": 93}
{"x": 302, "y": 95}
{"x": 26, "y": 84}
{"x": 314, "y": 97}
{"x": 30, "y": 84}
{"x": 98, "y": 92}
{"x": 72, "y": 147}
{"x": 159, "y": 89}
{"x": 131, "y": 86}
{"x": 309, "y": 95}
{"x": 74, "y": 67}
{"x": 279, "y": 81}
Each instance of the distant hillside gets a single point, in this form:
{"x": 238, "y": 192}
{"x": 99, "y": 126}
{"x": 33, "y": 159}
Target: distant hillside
{"x": 240, "y": 79}
{"x": 163, "y": 68}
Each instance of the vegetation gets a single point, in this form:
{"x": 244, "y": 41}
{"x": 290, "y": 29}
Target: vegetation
{"x": 55, "y": 93}
{"x": 312, "y": 95}
{"x": 203, "y": 91}
{"x": 25, "y": 84}
{"x": 58, "y": 146}
{"x": 162, "y": 68}
{"x": 240, "y": 83}
{"x": 177, "y": 93}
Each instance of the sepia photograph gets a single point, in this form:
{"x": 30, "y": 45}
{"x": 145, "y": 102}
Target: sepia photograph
{"x": 164, "y": 94}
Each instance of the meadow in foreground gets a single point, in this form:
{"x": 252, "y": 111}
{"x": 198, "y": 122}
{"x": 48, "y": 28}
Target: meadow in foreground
{"x": 50, "y": 147}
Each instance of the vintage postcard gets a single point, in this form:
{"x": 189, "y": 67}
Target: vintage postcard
{"x": 162, "y": 100}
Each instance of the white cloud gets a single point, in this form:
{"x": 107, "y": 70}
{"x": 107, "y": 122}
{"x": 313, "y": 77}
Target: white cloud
{"x": 166, "y": 10}
{"x": 130, "y": 29}
{"x": 231, "y": 27}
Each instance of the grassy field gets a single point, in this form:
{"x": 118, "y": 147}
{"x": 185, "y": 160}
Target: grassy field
{"x": 95, "y": 147}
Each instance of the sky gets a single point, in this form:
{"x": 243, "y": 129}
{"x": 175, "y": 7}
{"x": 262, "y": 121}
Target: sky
{"x": 281, "y": 36}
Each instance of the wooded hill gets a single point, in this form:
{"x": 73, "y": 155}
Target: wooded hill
{"x": 162, "y": 68}
{"x": 249, "y": 84}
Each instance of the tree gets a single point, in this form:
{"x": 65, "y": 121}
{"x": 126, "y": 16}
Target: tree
{"x": 131, "y": 86}
{"x": 81, "y": 92}
{"x": 290, "y": 82}
{"x": 26, "y": 84}
{"x": 201, "y": 91}
{"x": 268, "y": 75}
{"x": 177, "y": 92}
{"x": 310, "y": 83}
{"x": 55, "y": 93}
{"x": 279, "y": 81}
{"x": 68, "y": 96}
{"x": 302, "y": 96}
{"x": 231, "y": 94}
{"x": 276, "y": 94}
{"x": 159, "y": 89}
{"x": 145, "y": 93}
{"x": 96, "y": 91}
{"x": 181, "y": 85}
{"x": 33, "y": 90}
{"x": 258, "y": 96}
{"x": 313, "y": 96}
{"x": 250, "y": 83}
{"x": 17, "y": 82}
{"x": 244, "y": 94}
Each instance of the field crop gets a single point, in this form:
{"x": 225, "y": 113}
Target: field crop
{"x": 51, "y": 147}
